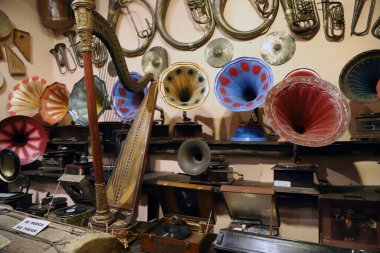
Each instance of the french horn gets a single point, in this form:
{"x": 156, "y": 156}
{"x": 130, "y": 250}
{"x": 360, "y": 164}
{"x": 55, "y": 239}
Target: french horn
{"x": 201, "y": 13}
{"x": 262, "y": 7}
{"x": 302, "y": 17}
{"x": 333, "y": 19}
{"x": 307, "y": 111}
{"x": 114, "y": 8}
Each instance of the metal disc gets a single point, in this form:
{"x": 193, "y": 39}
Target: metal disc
{"x": 278, "y": 48}
{"x": 5, "y": 25}
{"x": 155, "y": 60}
{"x": 219, "y": 52}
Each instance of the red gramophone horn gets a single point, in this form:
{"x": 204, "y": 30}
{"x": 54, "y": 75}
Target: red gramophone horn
{"x": 307, "y": 111}
{"x": 23, "y": 135}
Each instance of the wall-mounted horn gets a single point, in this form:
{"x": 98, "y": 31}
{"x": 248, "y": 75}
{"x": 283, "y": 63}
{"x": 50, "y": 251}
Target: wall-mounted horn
{"x": 302, "y": 17}
{"x": 262, "y": 7}
{"x": 307, "y": 111}
{"x": 358, "y": 8}
{"x": 10, "y": 165}
{"x": 202, "y": 15}
{"x": 194, "y": 157}
{"x": 333, "y": 19}
{"x": 360, "y": 76}
{"x": 60, "y": 55}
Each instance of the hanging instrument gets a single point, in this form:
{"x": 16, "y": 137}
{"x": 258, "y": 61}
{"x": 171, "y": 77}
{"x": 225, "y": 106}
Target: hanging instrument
{"x": 376, "y": 29}
{"x": 60, "y": 55}
{"x": 333, "y": 19}
{"x": 358, "y": 8}
{"x": 302, "y": 17}
{"x": 56, "y": 14}
{"x": 262, "y": 7}
{"x": 201, "y": 13}
{"x": 114, "y": 8}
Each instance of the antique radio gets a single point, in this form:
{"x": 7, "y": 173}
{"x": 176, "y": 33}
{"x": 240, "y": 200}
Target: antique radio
{"x": 350, "y": 218}
{"x": 253, "y": 212}
{"x": 188, "y": 219}
{"x": 83, "y": 195}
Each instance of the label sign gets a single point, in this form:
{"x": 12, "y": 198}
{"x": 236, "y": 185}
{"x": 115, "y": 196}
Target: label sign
{"x": 31, "y": 226}
{"x": 280, "y": 183}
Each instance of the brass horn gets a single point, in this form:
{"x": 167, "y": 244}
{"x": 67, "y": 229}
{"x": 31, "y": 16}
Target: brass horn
{"x": 358, "y": 8}
{"x": 376, "y": 28}
{"x": 302, "y": 17}
{"x": 202, "y": 15}
{"x": 10, "y": 165}
{"x": 262, "y": 7}
{"x": 194, "y": 156}
{"x": 114, "y": 8}
{"x": 333, "y": 19}
{"x": 59, "y": 52}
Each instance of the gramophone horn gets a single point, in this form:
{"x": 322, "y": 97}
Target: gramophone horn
{"x": 243, "y": 84}
{"x": 10, "y": 165}
{"x": 194, "y": 157}
{"x": 307, "y": 111}
{"x": 360, "y": 76}
{"x": 184, "y": 85}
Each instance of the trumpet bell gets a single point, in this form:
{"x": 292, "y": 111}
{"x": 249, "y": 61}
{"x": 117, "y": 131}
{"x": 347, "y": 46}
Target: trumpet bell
{"x": 360, "y": 76}
{"x": 78, "y": 100}
{"x": 10, "y": 165}
{"x": 54, "y": 103}
{"x": 23, "y": 135}
{"x": 194, "y": 157}
{"x": 243, "y": 84}
{"x": 307, "y": 111}
{"x": 125, "y": 104}
{"x": 184, "y": 85}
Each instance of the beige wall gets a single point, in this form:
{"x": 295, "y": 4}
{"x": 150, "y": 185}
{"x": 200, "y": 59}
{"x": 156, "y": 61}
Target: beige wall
{"x": 327, "y": 58}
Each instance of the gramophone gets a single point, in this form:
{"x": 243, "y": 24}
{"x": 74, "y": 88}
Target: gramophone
{"x": 306, "y": 111}
{"x": 184, "y": 86}
{"x": 242, "y": 85}
{"x": 195, "y": 159}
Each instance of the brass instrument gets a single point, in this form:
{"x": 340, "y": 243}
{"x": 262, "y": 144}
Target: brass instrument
{"x": 262, "y": 7}
{"x": 114, "y": 7}
{"x": 59, "y": 52}
{"x": 376, "y": 28}
{"x": 202, "y": 15}
{"x": 333, "y": 19}
{"x": 358, "y": 8}
{"x": 302, "y": 17}
{"x": 70, "y": 34}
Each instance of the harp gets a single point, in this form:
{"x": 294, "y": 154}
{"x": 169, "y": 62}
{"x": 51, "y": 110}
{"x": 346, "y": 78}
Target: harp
{"x": 123, "y": 189}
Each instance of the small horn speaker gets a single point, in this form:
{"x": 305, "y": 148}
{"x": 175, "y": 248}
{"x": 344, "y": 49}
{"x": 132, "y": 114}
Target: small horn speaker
{"x": 194, "y": 157}
{"x": 360, "y": 76}
{"x": 307, "y": 111}
{"x": 10, "y": 165}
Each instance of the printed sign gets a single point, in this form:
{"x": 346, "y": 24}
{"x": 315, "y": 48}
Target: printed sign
{"x": 31, "y": 226}
{"x": 280, "y": 183}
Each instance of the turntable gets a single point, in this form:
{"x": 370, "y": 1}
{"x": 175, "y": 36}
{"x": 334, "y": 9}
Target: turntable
{"x": 48, "y": 204}
{"x": 83, "y": 195}
{"x": 187, "y": 223}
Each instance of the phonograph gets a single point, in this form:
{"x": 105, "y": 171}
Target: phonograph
{"x": 242, "y": 85}
{"x": 188, "y": 219}
{"x": 195, "y": 159}
{"x": 185, "y": 86}
{"x": 48, "y": 204}
{"x": 308, "y": 111}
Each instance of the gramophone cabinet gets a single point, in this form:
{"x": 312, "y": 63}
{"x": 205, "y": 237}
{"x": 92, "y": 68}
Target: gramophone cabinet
{"x": 190, "y": 203}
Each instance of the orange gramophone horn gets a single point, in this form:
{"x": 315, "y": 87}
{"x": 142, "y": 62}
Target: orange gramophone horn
{"x": 307, "y": 111}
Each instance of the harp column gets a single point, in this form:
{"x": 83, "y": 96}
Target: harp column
{"x": 84, "y": 21}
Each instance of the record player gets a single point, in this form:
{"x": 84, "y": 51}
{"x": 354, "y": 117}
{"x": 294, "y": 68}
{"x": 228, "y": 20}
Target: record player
{"x": 188, "y": 219}
{"x": 253, "y": 212}
{"x": 48, "y": 204}
{"x": 82, "y": 193}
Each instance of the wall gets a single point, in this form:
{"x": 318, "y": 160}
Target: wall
{"x": 327, "y": 58}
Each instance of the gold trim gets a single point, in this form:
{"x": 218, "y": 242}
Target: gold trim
{"x": 83, "y": 17}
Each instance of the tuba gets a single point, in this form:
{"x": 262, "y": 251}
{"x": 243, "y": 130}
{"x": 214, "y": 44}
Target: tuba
{"x": 302, "y": 17}
{"x": 261, "y": 6}
{"x": 333, "y": 19}
{"x": 114, "y": 7}
{"x": 201, "y": 14}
